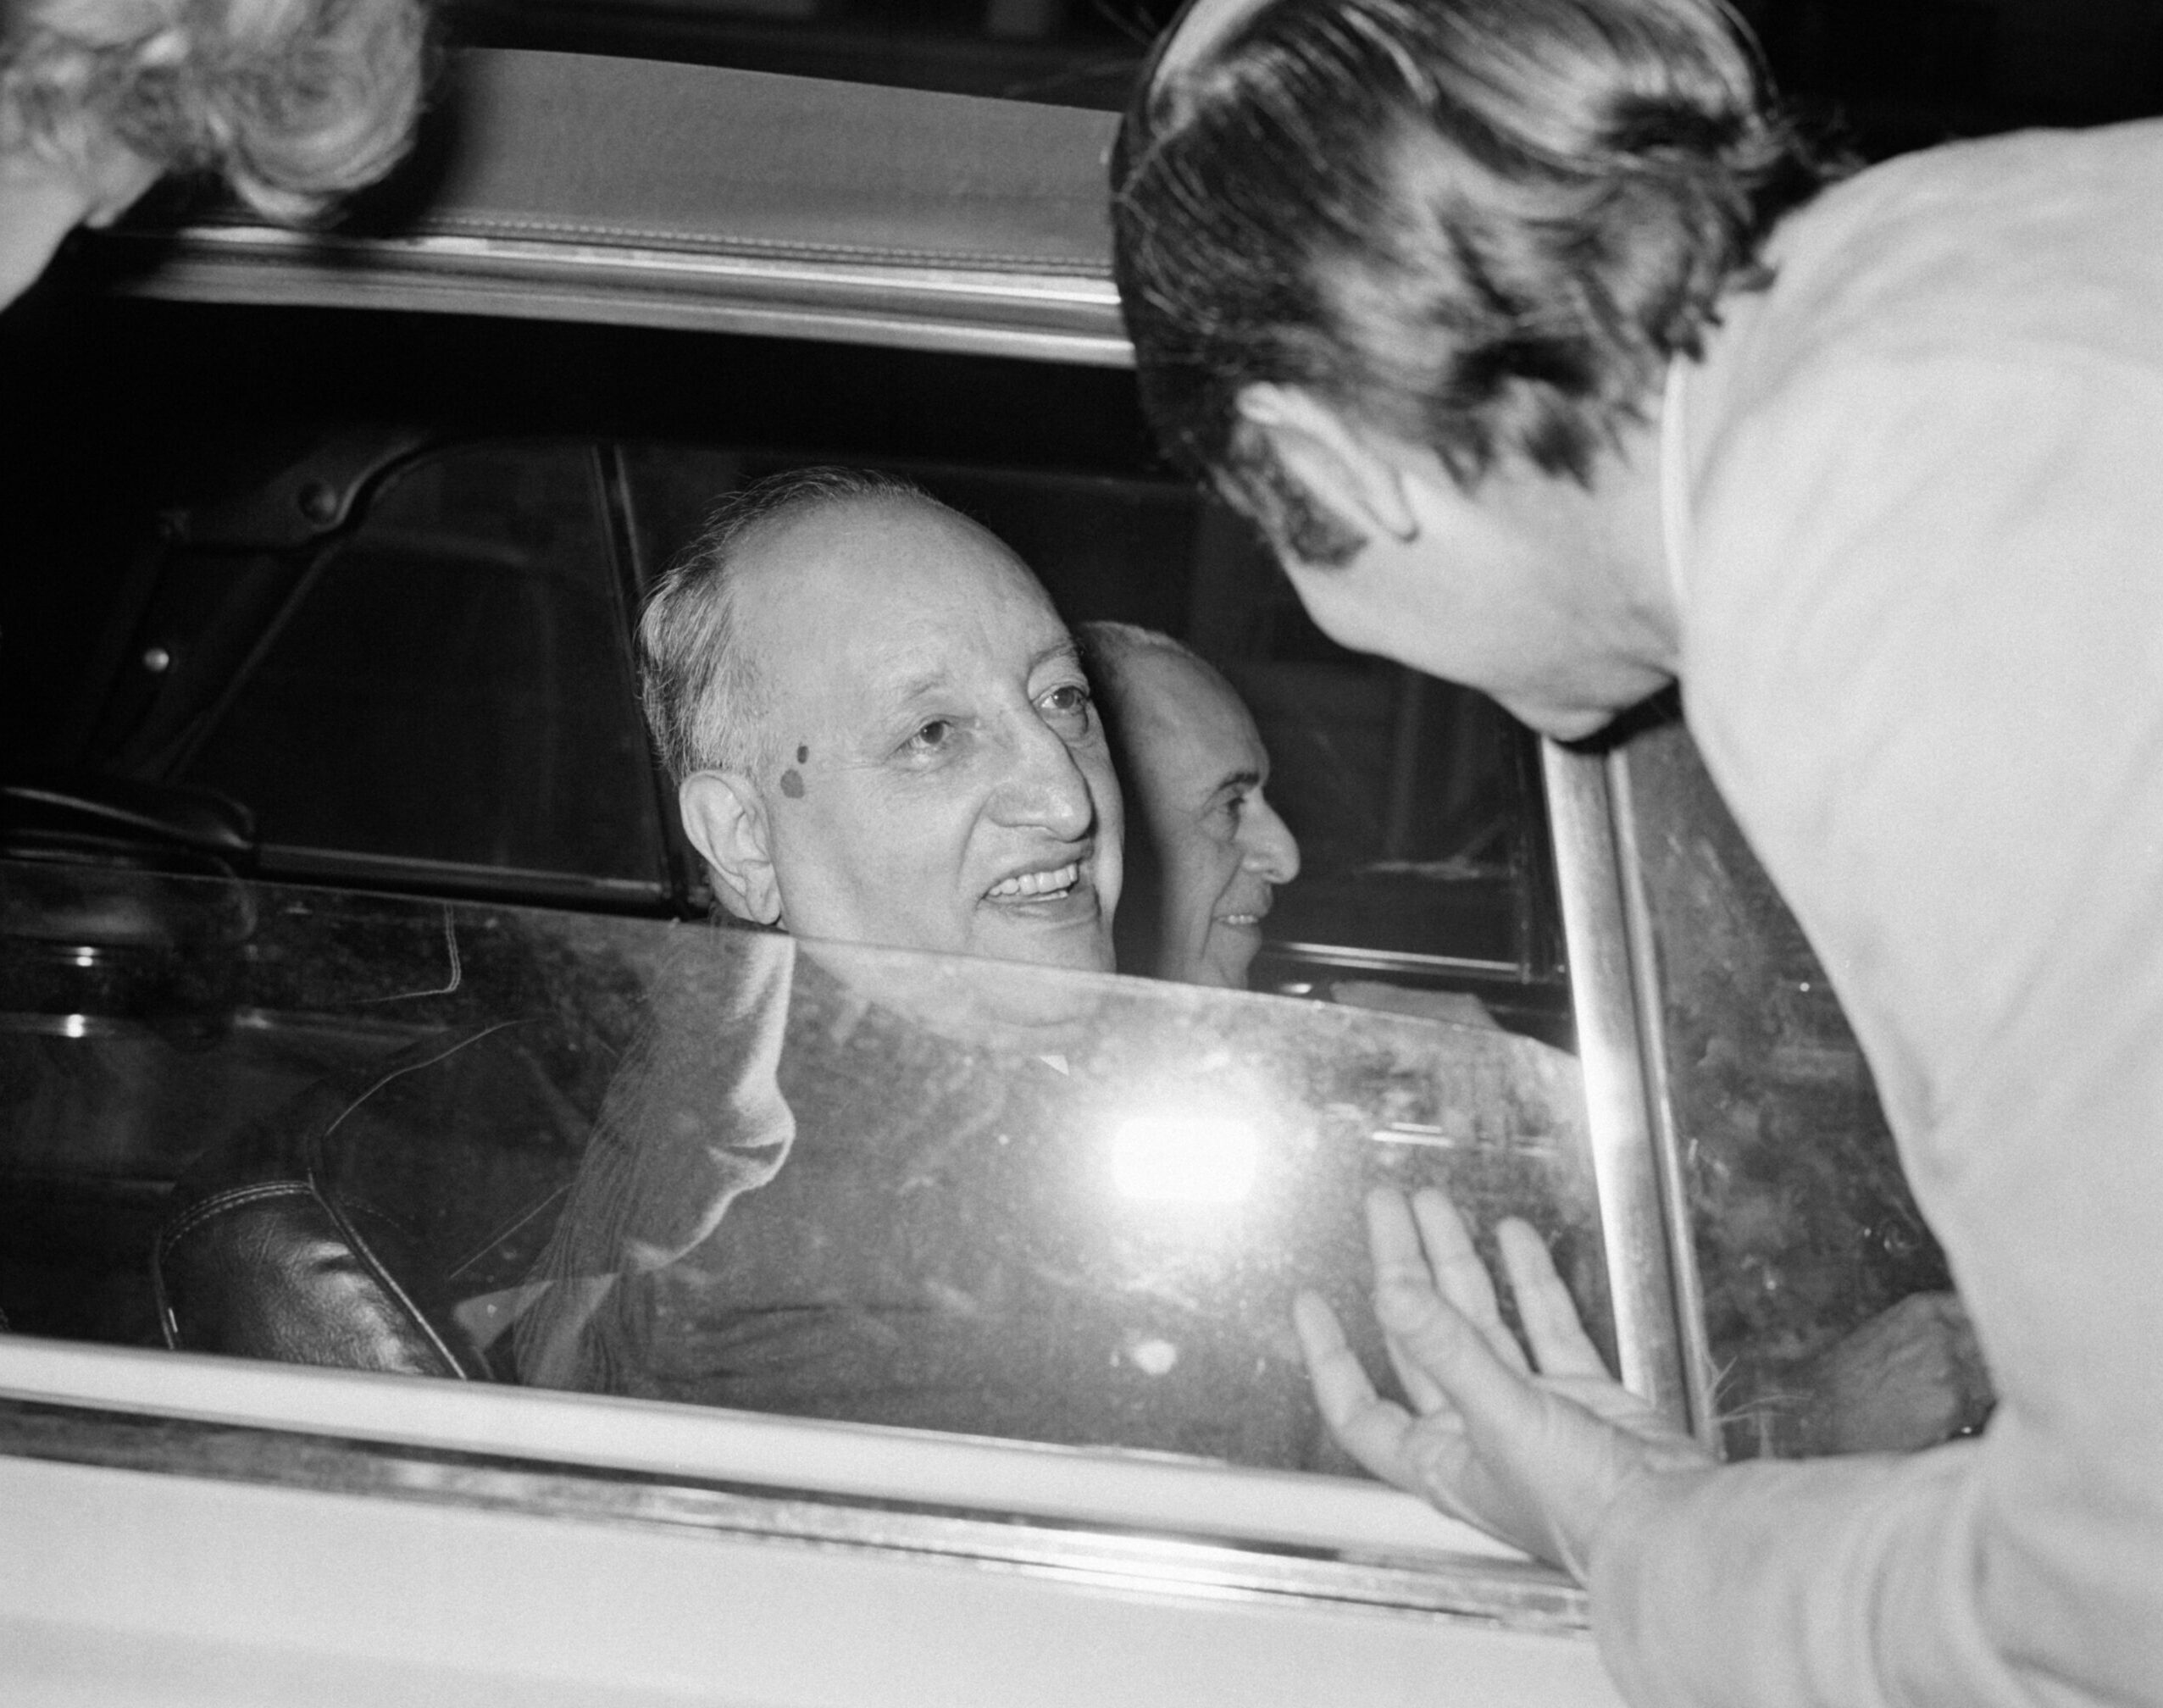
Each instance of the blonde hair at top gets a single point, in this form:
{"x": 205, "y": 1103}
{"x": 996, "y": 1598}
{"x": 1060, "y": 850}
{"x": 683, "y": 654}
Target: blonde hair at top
{"x": 291, "y": 102}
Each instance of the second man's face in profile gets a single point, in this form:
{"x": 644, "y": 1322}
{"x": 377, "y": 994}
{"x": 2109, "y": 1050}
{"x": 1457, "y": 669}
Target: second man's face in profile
{"x": 1199, "y": 770}
{"x": 939, "y": 777}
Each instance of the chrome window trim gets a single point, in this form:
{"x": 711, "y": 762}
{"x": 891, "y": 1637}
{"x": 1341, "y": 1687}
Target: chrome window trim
{"x": 1134, "y": 1490}
{"x": 1604, "y": 992}
{"x": 1130, "y": 1521}
{"x": 1070, "y": 317}
{"x": 359, "y": 871}
{"x": 1694, "y": 1348}
{"x": 1362, "y": 960}
{"x": 1517, "y": 1594}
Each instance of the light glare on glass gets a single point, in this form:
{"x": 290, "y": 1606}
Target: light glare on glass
{"x": 1183, "y": 1159}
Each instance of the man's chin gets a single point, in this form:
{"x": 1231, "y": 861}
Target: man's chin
{"x": 1582, "y": 717}
{"x": 1223, "y": 959}
{"x": 1560, "y": 723}
{"x": 1079, "y": 940}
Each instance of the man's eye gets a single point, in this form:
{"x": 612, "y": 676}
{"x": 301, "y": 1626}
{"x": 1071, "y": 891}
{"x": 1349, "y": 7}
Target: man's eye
{"x": 934, "y": 737}
{"x": 1236, "y": 804}
{"x": 1067, "y": 706}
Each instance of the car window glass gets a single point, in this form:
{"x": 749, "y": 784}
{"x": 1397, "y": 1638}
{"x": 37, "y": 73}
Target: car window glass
{"x": 449, "y": 682}
{"x": 729, "y": 1168}
{"x": 1827, "y": 1300}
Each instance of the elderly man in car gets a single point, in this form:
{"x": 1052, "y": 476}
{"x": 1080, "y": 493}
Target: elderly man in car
{"x": 881, "y": 735}
{"x": 880, "y": 728}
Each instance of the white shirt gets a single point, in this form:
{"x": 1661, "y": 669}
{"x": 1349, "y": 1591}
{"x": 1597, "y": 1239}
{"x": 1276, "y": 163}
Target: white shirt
{"x": 1918, "y": 552}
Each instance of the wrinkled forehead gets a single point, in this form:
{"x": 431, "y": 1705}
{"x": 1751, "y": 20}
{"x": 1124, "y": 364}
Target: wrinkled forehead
{"x": 866, "y": 600}
{"x": 1195, "y": 32}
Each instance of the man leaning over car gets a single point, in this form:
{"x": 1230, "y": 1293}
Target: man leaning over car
{"x": 1522, "y": 327}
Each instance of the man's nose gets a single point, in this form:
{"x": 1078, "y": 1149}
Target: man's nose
{"x": 1267, "y": 842}
{"x": 1045, "y": 786}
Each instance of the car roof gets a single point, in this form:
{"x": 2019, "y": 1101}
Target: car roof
{"x": 572, "y": 187}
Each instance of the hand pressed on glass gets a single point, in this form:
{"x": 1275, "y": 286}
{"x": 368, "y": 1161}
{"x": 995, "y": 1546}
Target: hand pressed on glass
{"x": 1911, "y": 1377}
{"x": 1534, "y": 1456}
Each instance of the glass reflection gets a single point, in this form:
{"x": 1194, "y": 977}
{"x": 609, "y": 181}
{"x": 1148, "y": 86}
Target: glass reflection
{"x": 1183, "y": 1159}
{"x": 730, "y": 1168}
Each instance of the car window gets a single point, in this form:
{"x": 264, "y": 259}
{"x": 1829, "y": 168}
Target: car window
{"x": 728, "y": 1168}
{"x": 1803, "y": 1232}
{"x": 447, "y": 682}
{"x": 381, "y": 582}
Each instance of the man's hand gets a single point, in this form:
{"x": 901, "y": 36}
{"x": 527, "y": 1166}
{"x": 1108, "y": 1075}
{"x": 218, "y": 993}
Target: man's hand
{"x": 1534, "y": 1457}
{"x": 1910, "y": 1378}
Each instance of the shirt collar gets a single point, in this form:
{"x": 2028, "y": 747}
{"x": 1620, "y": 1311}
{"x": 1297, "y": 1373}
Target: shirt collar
{"x": 1675, "y": 482}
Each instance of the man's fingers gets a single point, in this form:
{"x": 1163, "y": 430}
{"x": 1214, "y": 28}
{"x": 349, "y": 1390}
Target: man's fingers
{"x": 1322, "y": 1338}
{"x": 1418, "y": 1384}
{"x": 1544, "y": 1306}
{"x": 1368, "y": 1427}
{"x": 1396, "y": 1242}
{"x": 1427, "y": 1333}
{"x": 1341, "y": 1387}
{"x": 1419, "y": 1387}
{"x": 1460, "y": 1274}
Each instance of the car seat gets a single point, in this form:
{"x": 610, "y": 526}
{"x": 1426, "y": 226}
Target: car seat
{"x": 382, "y": 1220}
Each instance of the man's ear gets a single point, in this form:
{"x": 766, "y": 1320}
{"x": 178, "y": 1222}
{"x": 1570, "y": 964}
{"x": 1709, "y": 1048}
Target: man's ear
{"x": 1343, "y": 464}
{"x": 726, "y": 821}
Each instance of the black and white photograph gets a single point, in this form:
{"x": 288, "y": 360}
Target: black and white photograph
{"x": 1037, "y": 853}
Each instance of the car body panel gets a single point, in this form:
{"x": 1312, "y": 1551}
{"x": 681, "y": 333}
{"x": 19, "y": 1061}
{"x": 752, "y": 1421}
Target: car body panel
{"x": 413, "y": 1603}
{"x": 480, "y": 1570}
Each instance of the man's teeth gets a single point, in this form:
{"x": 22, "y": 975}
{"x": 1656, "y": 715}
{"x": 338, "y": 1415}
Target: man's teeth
{"x": 1040, "y": 883}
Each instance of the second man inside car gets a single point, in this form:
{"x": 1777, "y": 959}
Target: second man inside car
{"x": 1211, "y": 850}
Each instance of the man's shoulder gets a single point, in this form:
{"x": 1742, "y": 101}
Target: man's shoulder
{"x": 1939, "y": 332}
{"x": 2049, "y": 239}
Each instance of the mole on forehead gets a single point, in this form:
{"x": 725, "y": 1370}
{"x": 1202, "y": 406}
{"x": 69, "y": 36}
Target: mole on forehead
{"x": 1197, "y": 31}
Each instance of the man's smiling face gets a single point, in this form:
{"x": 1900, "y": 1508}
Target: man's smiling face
{"x": 1199, "y": 772}
{"x": 935, "y": 776}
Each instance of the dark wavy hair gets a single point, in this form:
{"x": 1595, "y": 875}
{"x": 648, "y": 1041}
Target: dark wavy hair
{"x": 1484, "y": 225}
{"x": 291, "y": 102}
